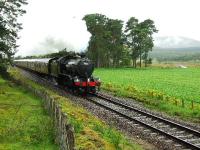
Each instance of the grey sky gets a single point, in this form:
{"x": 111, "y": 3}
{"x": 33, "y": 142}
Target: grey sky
{"x": 61, "y": 20}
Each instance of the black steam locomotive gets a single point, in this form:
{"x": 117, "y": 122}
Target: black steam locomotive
{"x": 73, "y": 70}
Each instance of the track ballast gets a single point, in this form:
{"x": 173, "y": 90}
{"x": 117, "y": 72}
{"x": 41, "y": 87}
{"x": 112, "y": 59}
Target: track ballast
{"x": 188, "y": 137}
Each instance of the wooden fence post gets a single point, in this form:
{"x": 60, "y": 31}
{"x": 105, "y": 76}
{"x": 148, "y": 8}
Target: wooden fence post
{"x": 183, "y": 103}
{"x": 192, "y": 104}
{"x": 70, "y": 137}
{"x": 176, "y": 102}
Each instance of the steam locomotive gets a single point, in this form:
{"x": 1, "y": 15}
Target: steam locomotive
{"x": 73, "y": 71}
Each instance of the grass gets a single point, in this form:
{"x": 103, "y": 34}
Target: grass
{"x": 24, "y": 123}
{"x": 162, "y": 89}
{"x": 90, "y": 132}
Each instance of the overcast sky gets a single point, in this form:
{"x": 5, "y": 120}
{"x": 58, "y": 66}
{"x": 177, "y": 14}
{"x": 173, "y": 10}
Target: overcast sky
{"x": 59, "y": 22}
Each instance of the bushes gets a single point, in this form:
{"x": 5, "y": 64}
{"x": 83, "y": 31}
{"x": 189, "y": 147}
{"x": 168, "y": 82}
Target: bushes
{"x": 3, "y": 69}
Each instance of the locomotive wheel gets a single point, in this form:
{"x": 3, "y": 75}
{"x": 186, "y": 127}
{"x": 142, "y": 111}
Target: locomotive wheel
{"x": 60, "y": 81}
{"x": 54, "y": 81}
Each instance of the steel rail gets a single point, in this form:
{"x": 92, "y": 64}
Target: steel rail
{"x": 178, "y": 126}
{"x": 195, "y": 132}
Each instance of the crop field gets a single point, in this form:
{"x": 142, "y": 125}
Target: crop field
{"x": 180, "y": 83}
{"x": 164, "y": 84}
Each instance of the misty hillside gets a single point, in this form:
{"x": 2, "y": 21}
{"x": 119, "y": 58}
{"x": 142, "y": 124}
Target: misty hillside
{"x": 176, "y": 49}
{"x": 175, "y": 42}
{"x": 176, "y": 54}
{"x": 184, "y": 49}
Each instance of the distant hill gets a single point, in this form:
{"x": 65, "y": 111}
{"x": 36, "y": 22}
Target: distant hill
{"x": 176, "y": 49}
{"x": 176, "y": 54}
{"x": 175, "y": 42}
{"x": 184, "y": 49}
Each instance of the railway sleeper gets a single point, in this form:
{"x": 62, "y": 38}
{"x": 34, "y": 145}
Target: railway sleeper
{"x": 160, "y": 124}
{"x": 144, "y": 119}
{"x": 154, "y": 121}
{"x": 184, "y": 136}
{"x": 198, "y": 144}
{"x": 168, "y": 141}
{"x": 134, "y": 124}
{"x": 139, "y": 117}
{"x": 149, "y": 120}
{"x": 165, "y": 126}
{"x": 140, "y": 127}
{"x": 153, "y": 134}
{"x": 173, "y": 130}
{"x": 146, "y": 130}
{"x": 161, "y": 138}
{"x": 165, "y": 130}
{"x": 180, "y": 132}
{"x": 177, "y": 145}
{"x": 193, "y": 140}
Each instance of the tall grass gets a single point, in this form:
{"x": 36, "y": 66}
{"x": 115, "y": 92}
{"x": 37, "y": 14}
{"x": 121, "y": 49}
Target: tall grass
{"x": 24, "y": 123}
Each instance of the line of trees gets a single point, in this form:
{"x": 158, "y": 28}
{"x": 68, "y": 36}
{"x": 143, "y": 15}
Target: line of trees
{"x": 10, "y": 10}
{"x": 111, "y": 45}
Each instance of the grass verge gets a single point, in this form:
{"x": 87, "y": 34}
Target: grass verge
{"x": 24, "y": 123}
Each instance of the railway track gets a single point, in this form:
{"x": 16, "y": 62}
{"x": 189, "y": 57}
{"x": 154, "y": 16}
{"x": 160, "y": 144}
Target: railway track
{"x": 185, "y": 136}
{"x": 181, "y": 134}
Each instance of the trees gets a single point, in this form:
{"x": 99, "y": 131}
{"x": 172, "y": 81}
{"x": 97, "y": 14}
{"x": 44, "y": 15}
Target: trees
{"x": 139, "y": 38}
{"x": 97, "y": 45}
{"x": 132, "y": 41}
{"x": 110, "y": 46}
{"x": 10, "y": 10}
{"x": 147, "y": 30}
{"x": 115, "y": 40}
{"x": 105, "y": 45}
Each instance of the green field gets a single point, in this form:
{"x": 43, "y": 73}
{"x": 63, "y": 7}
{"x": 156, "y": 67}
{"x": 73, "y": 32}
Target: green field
{"x": 170, "y": 85}
{"x": 23, "y": 122}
